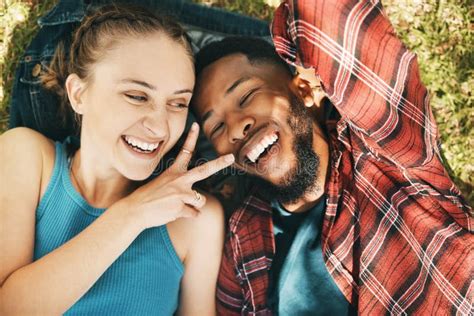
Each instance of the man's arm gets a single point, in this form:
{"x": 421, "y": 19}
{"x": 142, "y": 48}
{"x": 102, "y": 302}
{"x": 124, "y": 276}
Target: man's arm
{"x": 367, "y": 72}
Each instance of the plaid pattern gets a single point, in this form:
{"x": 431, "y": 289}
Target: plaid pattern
{"x": 397, "y": 235}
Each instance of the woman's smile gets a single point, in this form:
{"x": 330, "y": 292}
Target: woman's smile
{"x": 140, "y": 148}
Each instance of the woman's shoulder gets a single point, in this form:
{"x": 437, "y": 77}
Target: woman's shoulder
{"x": 22, "y": 137}
{"x": 205, "y": 229}
{"x": 209, "y": 220}
{"x": 27, "y": 153}
{"x": 211, "y": 213}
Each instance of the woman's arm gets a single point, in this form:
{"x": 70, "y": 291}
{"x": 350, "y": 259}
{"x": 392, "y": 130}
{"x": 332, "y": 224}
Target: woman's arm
{"x": 53, "y": 283}
{"x": 56, "y": 281}
{"x": 205, "y": 235}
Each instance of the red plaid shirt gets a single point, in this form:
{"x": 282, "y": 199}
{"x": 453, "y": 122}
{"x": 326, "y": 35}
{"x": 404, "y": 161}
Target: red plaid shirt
{"x": 397, "y": 235}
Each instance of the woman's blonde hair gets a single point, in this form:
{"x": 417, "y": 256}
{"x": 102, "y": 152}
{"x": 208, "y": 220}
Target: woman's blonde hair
{"x": 98, "y": 32}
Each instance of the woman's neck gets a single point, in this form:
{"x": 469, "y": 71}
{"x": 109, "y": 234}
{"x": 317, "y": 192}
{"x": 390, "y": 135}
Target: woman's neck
{"x": 100, "y": 187}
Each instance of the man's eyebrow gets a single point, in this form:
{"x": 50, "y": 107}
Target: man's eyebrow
{"x": 206, "y": 116}
{"x": 239, "y": 81}
{"x": 236, "y": 84}
{"x": 152, "y": 87}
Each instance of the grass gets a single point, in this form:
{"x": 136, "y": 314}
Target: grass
{"x": 440, "y": 32}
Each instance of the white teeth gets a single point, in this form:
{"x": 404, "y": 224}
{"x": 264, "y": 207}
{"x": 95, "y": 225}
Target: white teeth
{"x": 141, "y": 145}
{"x": 255, "y": 153}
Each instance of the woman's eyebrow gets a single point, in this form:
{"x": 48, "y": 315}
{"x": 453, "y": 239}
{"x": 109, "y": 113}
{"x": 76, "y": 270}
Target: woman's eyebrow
{"x": 152, "y": 87}
{"x": 183, "y": 91}
{"x": 139, "y": 82}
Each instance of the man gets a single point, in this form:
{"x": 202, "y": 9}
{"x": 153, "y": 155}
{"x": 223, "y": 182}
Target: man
{"x": 355, "y": 211}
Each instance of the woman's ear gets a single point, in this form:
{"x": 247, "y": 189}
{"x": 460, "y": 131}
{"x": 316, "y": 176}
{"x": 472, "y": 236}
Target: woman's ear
{"x": 75, "y": 86}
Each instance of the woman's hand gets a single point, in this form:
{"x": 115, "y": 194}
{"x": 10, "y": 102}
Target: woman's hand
{"x": 170, "y": 196}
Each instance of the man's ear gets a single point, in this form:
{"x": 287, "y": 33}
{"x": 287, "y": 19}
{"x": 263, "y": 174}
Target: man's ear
{"x": 75, "y": 86}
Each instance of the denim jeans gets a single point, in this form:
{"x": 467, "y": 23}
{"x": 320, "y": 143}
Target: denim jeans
{"x": 34, "y": 107}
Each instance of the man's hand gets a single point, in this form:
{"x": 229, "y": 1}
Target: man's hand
{"x": 308, "y": 75}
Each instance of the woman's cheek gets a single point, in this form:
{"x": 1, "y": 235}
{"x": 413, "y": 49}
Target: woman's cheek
{"x": 176, "y": 125}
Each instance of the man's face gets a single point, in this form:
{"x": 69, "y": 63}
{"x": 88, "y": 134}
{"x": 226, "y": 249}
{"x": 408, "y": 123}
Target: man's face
{"x": 253, "y": 112}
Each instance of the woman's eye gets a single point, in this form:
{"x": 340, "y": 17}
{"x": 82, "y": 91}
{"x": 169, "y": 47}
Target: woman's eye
{"x": 136, "y": 98}
{"x": 179, "y": 105}
{"x": 246, "y": 96}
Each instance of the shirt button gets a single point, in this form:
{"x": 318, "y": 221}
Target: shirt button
{"x": 36, "y": 70}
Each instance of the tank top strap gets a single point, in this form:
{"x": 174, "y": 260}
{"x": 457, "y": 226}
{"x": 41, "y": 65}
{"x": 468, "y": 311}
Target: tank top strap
{"x": 58, "y": 168}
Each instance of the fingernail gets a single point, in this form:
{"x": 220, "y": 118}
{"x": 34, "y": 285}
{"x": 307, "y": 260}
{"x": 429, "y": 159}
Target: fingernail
{"x": 229, "y": 158}
{"x": 194, "y": 126}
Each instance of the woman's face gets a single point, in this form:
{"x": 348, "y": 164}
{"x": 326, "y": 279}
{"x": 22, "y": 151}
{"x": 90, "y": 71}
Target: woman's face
{"x": 135, "y": 104}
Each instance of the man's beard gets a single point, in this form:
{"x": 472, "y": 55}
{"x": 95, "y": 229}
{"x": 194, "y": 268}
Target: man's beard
{"x": 303, "y": 177}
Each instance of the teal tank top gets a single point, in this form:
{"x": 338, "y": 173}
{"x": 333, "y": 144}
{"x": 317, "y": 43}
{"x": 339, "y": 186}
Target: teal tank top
{"x": 144, "y": 280}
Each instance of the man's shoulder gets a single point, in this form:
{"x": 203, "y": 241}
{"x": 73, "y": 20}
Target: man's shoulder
{"x": 253, "y": 212}
{"x": 250, "y": 237}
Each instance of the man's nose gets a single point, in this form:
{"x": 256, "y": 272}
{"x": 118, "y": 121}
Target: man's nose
{"x": 239, "y": 127}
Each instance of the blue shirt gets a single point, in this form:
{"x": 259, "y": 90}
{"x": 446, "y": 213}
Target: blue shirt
{"x": 300, "y": 283}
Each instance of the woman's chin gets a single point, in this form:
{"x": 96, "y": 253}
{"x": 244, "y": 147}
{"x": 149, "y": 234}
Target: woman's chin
{"x": 137, "y": 173}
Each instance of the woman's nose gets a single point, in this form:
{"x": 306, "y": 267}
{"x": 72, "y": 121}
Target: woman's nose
{"x": 157, "y": 123}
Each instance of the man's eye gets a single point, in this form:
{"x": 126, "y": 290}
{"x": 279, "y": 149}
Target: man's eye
{"x": 216, "y": 128}
{"x": 136, "y": 98}
{"x": 247, "y": 96}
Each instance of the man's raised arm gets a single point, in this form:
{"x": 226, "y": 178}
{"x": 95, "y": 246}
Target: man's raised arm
{"x": 367, "y": 72}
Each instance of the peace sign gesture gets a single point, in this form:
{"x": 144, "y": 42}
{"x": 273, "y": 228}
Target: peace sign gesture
{"x": 170, "y": 195}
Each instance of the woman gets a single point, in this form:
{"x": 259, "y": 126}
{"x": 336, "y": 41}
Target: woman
{"x": 78, "y": 233}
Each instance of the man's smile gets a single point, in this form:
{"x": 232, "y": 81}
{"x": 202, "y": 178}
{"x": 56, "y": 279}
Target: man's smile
{"x": 259, "y": 146}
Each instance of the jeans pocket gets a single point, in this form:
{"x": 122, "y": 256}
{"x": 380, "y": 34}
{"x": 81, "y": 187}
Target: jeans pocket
{"x": 41, "y": 108}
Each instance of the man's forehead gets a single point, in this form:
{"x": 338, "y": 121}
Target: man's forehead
{"x": 217, "y": 78}
{"x": 226, "y": 69}
{"x": 221, "y": 78}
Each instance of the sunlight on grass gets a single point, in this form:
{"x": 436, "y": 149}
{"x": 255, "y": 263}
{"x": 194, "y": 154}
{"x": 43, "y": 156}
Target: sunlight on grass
{"x": 12, "y": 15}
